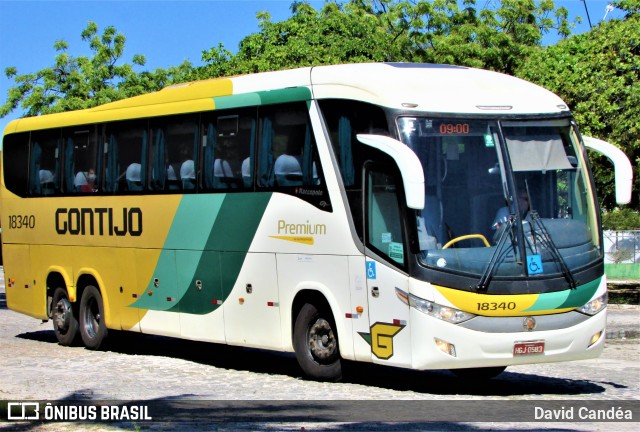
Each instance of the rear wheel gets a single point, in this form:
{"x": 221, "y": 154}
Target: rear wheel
{"x": 315, "y": 342}
{"x": 65, "y": 323}
{"x": 93, "y": 329}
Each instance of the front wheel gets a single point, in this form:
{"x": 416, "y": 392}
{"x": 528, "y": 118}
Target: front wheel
{"x": 93, "y": 329}
{"x": 65, "y": 323}
{"x": 315, "y": 342}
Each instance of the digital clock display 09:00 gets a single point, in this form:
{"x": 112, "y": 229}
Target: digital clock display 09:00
{"x": 454, "y": 128}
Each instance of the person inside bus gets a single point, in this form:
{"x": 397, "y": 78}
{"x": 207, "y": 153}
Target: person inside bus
{"x": 85, "y": 181}
{"x": 502, "y": 215}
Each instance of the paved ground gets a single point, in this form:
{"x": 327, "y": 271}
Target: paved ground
{"x": 160, "y": 370}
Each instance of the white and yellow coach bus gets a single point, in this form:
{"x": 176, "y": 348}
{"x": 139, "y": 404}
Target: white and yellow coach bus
{"x": 420, "y": 216}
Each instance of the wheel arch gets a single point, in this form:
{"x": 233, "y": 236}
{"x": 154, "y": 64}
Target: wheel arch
{"x": 57, "y": 277}
{"x": 321, "y": 298}
{"x": 88, "y": 276}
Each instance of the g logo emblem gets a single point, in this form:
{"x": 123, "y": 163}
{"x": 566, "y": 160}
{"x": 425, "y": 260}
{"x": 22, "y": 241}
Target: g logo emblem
{"x": 381, "y": 339}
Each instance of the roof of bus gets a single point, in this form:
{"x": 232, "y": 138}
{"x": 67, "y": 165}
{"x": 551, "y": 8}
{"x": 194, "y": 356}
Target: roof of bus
{"x": 435, "y": 88}
{"x": 408, "y": 86}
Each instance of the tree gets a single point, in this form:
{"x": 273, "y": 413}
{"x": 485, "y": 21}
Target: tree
{"x": 435, "y": 31}
{"x": 336, "y": 34}
{"x": 497, "y": 39}
{"x": 598, "y": 75}
{"x": 84, "y": 82}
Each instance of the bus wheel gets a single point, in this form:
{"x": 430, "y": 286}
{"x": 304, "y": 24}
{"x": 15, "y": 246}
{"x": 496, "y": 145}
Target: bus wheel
{"x": 315, "y": 342}
{"x": 479, "y": 374}
{"x": 65, "y": 323}
{"x": 93, "y": 329}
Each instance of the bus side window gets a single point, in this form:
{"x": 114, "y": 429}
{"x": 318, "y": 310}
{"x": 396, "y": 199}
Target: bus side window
{"x": 15, "y": 148}
{"x": 287, "y": 150}
{"x": 344, "y": 120}
{"x": 44, "y": 171}
{"x": 125, "y": 154}
{"x": 228, "y": 142}
{"x": 384, "y": 218}
{"x": 182, "y": 142}
{"x": 81, "y": 159}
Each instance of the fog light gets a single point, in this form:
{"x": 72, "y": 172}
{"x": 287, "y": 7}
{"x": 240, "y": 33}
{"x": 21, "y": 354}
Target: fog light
{"x": 595, "y": 338}
{"x": 446, "y": 347}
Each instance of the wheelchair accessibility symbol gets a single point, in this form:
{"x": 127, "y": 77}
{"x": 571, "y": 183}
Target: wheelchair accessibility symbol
{"x": 534, "y": 264}
{"x": 371, "y": 270}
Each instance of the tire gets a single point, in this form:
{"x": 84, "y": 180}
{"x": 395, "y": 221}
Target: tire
{"x": 479, "y": 374}
{"x": 65, "y": 322}
{"x": 315, "y": 342}
{"x": 93, "y": 329}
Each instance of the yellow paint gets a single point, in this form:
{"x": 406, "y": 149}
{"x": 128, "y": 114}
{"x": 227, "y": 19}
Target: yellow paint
{"x": 308, "y": 240}
{"x": 496, "y": 305}
{"x": 113, "y": 261}
{"x": 382, "y": 339}
{"x": 193, "y": 97}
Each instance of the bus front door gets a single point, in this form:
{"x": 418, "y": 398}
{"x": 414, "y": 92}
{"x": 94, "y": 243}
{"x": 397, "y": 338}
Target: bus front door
{"x": 389, "y": 333}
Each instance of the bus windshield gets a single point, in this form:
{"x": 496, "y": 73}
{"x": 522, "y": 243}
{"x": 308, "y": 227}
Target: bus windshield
{"x": 503, "y": 198}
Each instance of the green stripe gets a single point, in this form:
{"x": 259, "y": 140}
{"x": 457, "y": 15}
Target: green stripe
{"x": 204, "y": 251}
{"x": 194, "y": 215}
{"x": 227, "y": 247}
{"x": 571, "y": 298}
{"x": 237, "y": 101}
{"x": 293, "y": 94}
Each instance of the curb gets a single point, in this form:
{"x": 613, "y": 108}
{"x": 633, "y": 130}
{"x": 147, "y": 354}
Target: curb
{"x": 623, "y": 321}
{"x": 622, "y": 334}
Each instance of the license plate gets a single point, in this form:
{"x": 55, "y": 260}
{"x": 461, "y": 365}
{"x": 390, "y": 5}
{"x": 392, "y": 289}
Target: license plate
{"x": 528, "y": 348}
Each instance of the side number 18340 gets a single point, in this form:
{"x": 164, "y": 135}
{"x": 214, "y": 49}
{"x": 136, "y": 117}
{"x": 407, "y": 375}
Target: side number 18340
{"x": 22, "y": 221}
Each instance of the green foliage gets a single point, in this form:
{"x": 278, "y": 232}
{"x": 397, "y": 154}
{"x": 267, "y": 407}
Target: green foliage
{"x": 347, "y": 33}
{"x": 598, "y": 75}
{"x": 441, "y": 32}
{"x": 437, "y": 31}
{"x": 83, "y": 82}
{"x": 621, "y": 220}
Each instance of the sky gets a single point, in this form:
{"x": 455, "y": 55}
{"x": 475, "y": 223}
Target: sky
{"x": 165, "y": 32}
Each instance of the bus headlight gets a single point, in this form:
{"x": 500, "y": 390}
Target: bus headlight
{"x": 445, "y": 313}
{"x": 595, "y": 305}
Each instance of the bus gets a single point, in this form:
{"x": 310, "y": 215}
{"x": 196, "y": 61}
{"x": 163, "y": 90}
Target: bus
{"x": 412, "y": 215}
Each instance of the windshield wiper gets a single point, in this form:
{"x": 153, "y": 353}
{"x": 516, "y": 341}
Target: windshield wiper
{"x": 483, "y": 284}
{"x": 547, "y": 242}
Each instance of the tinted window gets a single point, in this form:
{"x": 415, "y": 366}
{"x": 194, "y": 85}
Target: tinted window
{"x": 287, "y": 149}
{"x": 80, "y": 159}
{"x": 125, "y": 160}
{"x": 15, "y": 152}
{"x": 228, "y": 140}
{"x": 174, "y": 153}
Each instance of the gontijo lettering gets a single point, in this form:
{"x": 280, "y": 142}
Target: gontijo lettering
{"x": 100, "y": 221}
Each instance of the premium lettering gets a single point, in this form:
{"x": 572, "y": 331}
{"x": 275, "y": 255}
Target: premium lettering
{"x": 300, "y": 229}
{"x": 99, "y": 221}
